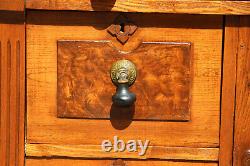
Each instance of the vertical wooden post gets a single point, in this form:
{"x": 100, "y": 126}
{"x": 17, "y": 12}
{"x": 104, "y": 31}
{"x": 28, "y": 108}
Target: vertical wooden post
{"x": 12, "y": 83}
{"x": 228, "y": 90}
{"x": 235, "y": 149}
{"x": 241, "y": 155}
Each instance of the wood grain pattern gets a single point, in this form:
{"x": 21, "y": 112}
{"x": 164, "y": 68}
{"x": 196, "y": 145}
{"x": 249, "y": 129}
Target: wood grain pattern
{"x": 12, "y": 94}
{"x": 85, "y": 89}
{"x": 150, "y": 6}
{"x": 14, "y": 5}
{"x": 228, "y": 90}
{"x": 71, "y": 162}
{"x": 242, "y": 114}
{"x": 155, "y": 152}
{"x": 44, "y": 127}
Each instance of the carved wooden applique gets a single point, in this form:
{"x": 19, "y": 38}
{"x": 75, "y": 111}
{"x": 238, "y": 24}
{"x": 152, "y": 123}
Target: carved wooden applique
{"x": 122, "y": 29}
{"x": 162, "y": 87}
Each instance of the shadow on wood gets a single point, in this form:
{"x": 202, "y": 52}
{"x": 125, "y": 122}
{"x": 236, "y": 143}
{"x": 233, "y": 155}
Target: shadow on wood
{"x": 98, "y": 5}
{"x": 121, "y": 117}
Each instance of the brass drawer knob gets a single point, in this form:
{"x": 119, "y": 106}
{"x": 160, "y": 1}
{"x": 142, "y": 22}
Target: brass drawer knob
{"x": 123, "y": 75}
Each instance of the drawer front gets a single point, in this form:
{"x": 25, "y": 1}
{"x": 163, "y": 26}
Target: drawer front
{"x": 69, "y": 106}
{"x": 53, "y": 162}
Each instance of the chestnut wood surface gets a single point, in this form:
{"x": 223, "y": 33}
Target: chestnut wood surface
{"x": 228, "y": 90}
{"x": 71, "y": 162}
{"x": 44, "y": 127}
{"x": 162, "y": 86}
{"x": 13, "y": 5}
{"x": 153, "y": 152}
{"x": 12, "y": 84}
{"x": 159, "y": 6}
{"x": 12, "y": 90}
{"x": 242, "y": 112}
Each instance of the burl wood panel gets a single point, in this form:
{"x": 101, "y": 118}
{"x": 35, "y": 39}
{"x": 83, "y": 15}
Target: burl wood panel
{"x": 45, "y": 28}
{"x": 162, "y": 86}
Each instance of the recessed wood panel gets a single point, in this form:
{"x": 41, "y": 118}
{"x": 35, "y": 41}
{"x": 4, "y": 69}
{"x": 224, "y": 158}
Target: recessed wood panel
{"x": 162, "y": 86}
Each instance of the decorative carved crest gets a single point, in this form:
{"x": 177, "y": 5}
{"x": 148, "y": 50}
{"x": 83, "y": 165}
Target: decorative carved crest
{"x": 122, "y": 29}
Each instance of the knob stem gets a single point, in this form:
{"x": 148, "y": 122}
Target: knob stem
{"x": 123, "y": 97}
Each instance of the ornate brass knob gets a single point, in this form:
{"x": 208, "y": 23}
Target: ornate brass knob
{"x": 123, "y": 75}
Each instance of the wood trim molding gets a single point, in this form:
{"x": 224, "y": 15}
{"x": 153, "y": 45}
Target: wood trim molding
{"x": 12, "y": 93}
{"x": 158, "y": 6}
{"x": 153, "y": 152}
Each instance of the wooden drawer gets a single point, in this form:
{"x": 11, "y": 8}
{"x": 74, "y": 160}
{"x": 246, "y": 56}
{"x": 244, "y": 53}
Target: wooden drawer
{"x": 53, "y": 162}
{"x": 69, "y": 107}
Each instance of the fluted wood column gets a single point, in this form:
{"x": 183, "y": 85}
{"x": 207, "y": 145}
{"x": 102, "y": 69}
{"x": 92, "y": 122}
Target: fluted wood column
{"x": 12, "y": 83}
